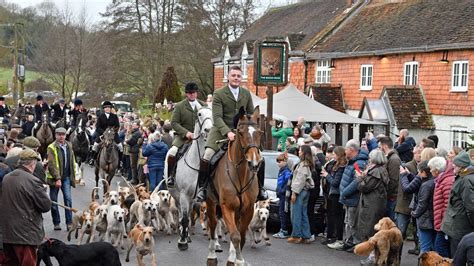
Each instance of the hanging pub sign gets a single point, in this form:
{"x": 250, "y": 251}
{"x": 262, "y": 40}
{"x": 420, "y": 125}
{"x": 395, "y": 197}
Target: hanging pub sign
{"x": 271, "y": 63}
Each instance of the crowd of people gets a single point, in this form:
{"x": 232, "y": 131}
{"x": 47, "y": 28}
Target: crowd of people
{"x": 422, "y": 184}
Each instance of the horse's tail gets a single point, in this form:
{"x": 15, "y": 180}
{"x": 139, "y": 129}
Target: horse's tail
{"x": 106, "y": 183}
{"x": 95, "y": 190}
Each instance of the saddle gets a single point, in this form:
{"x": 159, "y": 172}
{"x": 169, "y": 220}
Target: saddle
{"x": 217, "y": 157}
{"x": 181, "y": 151}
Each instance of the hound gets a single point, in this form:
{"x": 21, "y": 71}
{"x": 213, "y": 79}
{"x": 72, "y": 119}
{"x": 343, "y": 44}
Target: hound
{"x": 258, "y": 227}
{"x": 115, "y": 226}
{"x": 142, "y": 239}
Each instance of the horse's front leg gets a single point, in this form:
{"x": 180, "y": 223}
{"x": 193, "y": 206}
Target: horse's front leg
{"x": 212, "y": 223}
{"x": 245, "y": 220}
{"x": 235, "y": 254}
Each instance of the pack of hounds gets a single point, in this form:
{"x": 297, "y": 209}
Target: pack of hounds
{"x": 128, "y": 218}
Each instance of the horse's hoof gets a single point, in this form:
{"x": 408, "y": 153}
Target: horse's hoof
{"x": 96, "y": 196}
{"x": 219, "y": 249}
{"x": 212, "y": 262}
{"x": 268, "y": 243}
{"x": 183, "y": 246}
{"x": 230, "y": 263}
{"x": 189, "y": 239}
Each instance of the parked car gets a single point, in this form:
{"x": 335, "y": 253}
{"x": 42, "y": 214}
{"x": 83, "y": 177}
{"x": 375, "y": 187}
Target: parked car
{"x": 271, "y": 178}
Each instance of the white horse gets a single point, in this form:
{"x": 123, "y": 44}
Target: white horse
{"x": 187, "y": 171}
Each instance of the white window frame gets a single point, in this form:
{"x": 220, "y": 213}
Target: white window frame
{"x": 225, "y": 64}
{"x": 457, "y": 79}
{"x": 459, "y": 136}
{"x": 366, "y": 80}
{"x": 410, "y": 73}
{"x": 323, "y": 71}
{"x": 243, "y": 66}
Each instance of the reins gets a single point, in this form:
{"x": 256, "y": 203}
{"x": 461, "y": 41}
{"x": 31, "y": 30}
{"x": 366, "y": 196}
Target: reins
{"x": 196, "y": 139}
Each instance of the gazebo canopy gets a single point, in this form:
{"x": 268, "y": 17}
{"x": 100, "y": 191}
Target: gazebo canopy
{"x": 292, "y": 103}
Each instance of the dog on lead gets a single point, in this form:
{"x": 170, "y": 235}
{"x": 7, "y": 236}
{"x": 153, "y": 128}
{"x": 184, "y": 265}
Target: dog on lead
{"x": 115, "y": 226}
{"x": 386, "y": 243}
{"x": 92, "y": 254}
{"x": 142, "y": 239}
{"x": 168, "y": 212}
{"x": 258, "y": 226}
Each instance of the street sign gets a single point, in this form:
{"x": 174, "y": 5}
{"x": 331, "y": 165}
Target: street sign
{"x": 271, "y": 63}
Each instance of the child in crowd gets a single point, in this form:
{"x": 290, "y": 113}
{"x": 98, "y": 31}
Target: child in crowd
{"x": 284, "y": 175}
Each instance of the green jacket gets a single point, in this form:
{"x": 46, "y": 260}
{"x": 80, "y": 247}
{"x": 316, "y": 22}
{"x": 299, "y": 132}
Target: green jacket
{"x": 224, "y": 108}
{"x": 459, "y": 217}
{"x": 282, "y": 134}
{"x": 183, "y": 121}
{"x": 55, "y": 162}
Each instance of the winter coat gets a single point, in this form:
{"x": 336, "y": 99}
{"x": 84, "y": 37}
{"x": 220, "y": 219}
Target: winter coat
{"x": 282, "y": 134}
{"x": 465, "y": 251}
{"x": 156, "y": 154}
{"x": 23, "y": 200}
{"x": 459, "y": 217}
{"x": 302, "y": 178}
{"x": 135, "y": 141}
{"x": 284, "y": 174}
{"x": 373, "y": 200}
{"x": 40, "y": 109}
{"x": 27, "y": 128}
{"x": 410, "y": 183}
{"x": 443, "y": 184}
{"x": 372, "y": 144}
{"x": 56, "y": 164}
{"x": 349, "y": 194}
{"x": 183, "y": 120}
{"x": 58, "y": 112}
{"x": 404, "y": 198}
{"x": 423, "y": 211}
{"x": 405, "y": 150}
{"x": 103, "y": 123}
{"x": 334, "y": 178}
{"x": 393, "y": 169}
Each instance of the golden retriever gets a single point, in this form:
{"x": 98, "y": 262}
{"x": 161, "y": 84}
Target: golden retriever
{"x": 386, "y": 243}
{"x": 433, "y": 258}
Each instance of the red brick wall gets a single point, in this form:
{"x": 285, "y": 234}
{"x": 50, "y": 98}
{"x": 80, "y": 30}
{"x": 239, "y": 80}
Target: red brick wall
{"x": 433, "y": 77}
{"x": 218, "y": 77}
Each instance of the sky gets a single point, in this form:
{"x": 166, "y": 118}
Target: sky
{"x": 94, "y": 7}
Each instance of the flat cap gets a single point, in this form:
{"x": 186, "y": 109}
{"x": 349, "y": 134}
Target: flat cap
{"x": 60, "y": 130}
{"x": 28, "y": 154}
{"x": 31, "y": 142}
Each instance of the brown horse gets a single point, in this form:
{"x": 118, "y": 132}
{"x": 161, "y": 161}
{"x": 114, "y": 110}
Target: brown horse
{"x": 45, "y": 135}
{"x": 235, "y": 187}
{"x": 108, "y": 160}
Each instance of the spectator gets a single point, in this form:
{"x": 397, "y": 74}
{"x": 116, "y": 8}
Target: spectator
{"x": 453, "y": 152}
{"x": 14, "y": 157}
{"x": 371, "y": 141}
{"x": 435, "y": 140}
{"x": 349, "y": 194}
{"x": 298, "y": 135}
{"x": 291, "y": 145}
{"x": 319, "y": 135}
{"x": 300, "y": 184}
{"x": 427, "y": 154}
{"x": 134, "y": 141}
{"x": 372, "y": 184}
{"x": 315, "y": 225}
{"x": 423, "y": 208}
{"x": 404, "y": 146}
{"x": 23, "y": 200}
{"x": 282, "y": 134}
{"x": 427, "y": 143}
{"x": 459, "y": 216}
{"x": 126, "y": 135}
{"x": 284, "y": 174}
{"x": 318, "y": 152}
{"x": 167, "y": 138}
{"x": 465, "y": 252}
{"x": 27, "y": 127}
{"x": 393, "y": 169}
{"x": 363, "y": 145}
{"x": 332, "y": 172}
{"x": 155, "y": 151}
{"x": 61, "y": 175}
{"x": 305, "y": 128}
{"x": 444, "y": 178}
{"x": 442, "y": 153}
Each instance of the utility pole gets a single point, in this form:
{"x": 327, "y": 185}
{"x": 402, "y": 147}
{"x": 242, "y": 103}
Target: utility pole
{"x": 18, "y": 48}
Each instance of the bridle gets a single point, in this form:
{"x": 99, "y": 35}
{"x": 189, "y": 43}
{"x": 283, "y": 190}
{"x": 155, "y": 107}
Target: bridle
{"x": 201, "y": 134}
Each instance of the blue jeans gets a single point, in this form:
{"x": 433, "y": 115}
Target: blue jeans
{"x": 282, "y": 213}
{"x": 427, "y": 238}
{"x": 155, "y": 176}
{"x": 391, "y": 209}
{"x": 299, "y": 216}
{"x": 441, "y": 244}
{"x": 402, "y": 221}
{"x": 53, "y": 194}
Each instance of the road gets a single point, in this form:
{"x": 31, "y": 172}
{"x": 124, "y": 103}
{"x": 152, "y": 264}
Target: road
{"x": 279, "y": 253}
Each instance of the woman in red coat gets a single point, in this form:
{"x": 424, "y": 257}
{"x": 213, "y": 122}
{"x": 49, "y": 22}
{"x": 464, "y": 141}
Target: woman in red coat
{"x": 443, "y": 171}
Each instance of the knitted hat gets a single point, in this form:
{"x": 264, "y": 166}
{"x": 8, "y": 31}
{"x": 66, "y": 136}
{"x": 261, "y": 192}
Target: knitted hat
{"x": 462, "y": 160}
{"x": 31, "y": 142}
{"x": 28, "y": 154}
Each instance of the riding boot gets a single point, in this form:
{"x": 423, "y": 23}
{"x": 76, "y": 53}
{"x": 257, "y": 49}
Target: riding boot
{"x": 171, "y": 164}
{"x": 203, "y": 180}
{"x": 262, "y": 192}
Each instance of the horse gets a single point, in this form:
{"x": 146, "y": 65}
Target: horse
{"x": 108, "y": 160}
{"x": 187, "y": 170}
{"x": 19, "y": 114}
{"x": 61, "y": 123}
{"x": 80, "y": 143}
{"x": 235, "y": 187}
{"x": 44, "y": 134}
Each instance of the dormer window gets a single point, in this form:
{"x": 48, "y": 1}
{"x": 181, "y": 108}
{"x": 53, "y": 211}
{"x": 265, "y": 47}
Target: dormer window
{"x": 243, "y": 61}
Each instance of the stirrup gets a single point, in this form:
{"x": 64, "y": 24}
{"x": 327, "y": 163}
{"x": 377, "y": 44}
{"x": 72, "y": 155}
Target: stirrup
{"x": 262, "y": 194}
{"x": 201, "y": 195}
{"x": 171, "y": 183}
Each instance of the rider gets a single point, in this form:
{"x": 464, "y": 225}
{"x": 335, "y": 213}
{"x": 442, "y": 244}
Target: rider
{"x": 182, "y": 121}
{"x": 78, "y": 109}
{"x": 4, "y": 110}
{"x": 225, "y": 105}
{"x": 40, "y": 107}
{"x": 105, "y": 120}
{"x": 59, "y": 110}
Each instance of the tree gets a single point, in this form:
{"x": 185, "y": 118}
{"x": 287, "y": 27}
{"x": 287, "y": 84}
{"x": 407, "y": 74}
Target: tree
{"x": 169, "y": 88}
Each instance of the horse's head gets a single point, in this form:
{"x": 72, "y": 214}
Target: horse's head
{"x": 248, "y": 136}
{"x": 44, "y": 119}
{"x": 108, "y": 136}
{"x": 205, "y": 121}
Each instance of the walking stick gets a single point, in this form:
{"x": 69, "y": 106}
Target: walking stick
{"x": 74, "y": 210}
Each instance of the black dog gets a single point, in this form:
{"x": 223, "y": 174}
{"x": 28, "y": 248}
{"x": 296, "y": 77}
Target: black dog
{"x": 92, "y": 254}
